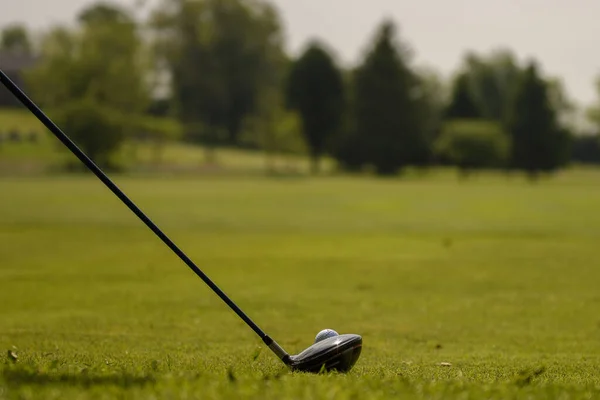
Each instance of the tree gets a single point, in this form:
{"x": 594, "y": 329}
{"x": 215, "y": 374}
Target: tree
{"x": 586, "y": 149}
{"x": 98, "y": 130}
{"x": 388, "y": 121}
{"x": 104, "y": 12}
{"x": 182, "y": 53}
{"x": 539, "y": 143}
{"x": 102, "y": 64}
{"x": 564, "y": 107}
{"x": 431, "y": 98}
{"x": 491, "y": 80}
{"x": 15, "y": 38}
{"x": 102, "y": 60}
{"x": 315, "y": 90}
{"x": 462, "y": 105}
{"x": 592, "y": 113}
{"x": 347, "y": 147}
{"x": 473, "y": 144}
{"x": 274, "y": 129}
{"x": 220, "y": 54}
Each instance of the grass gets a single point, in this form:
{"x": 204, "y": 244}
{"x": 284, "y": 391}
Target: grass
{"x": 21, "y": 120}
{"x": 47, "y": 153}
{"x": 497, "y": 277}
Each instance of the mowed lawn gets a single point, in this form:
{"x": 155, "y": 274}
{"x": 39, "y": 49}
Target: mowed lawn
{"x": 497, "y": 278}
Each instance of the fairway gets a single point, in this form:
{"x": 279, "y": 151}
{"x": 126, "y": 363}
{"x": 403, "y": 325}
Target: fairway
{"x": 494, "y": 276}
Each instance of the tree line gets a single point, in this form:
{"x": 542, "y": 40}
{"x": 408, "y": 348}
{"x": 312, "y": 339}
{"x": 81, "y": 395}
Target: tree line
{"x": 216, "y": 73}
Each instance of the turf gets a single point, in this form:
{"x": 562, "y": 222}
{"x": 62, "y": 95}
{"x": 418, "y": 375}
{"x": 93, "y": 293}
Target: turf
{"x": 494, "y": 276}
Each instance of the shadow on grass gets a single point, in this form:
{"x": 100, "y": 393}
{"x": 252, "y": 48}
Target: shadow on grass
{"x": 22, "y": 376}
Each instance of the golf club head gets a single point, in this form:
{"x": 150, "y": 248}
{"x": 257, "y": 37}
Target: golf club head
{"x": 337, "y": 353}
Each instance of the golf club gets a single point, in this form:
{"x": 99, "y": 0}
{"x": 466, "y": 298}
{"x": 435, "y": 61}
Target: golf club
{"x": 338, "y": 353}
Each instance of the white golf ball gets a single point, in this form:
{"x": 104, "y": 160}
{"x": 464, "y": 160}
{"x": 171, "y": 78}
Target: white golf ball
{"x": 324, "y": 334}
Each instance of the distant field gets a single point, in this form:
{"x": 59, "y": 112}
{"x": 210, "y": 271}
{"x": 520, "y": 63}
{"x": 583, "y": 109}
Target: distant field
{"x": 494, "y": 276}
{"x": 46, "y": 152}
{"x": 20, "y": 119}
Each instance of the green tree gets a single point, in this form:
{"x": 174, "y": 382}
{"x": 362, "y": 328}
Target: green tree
{"x": 315, "y": 89}
{"x": 592, "y": 113}
{"x": 97, "y": 129}
{"x": 101, "y": 64}
{"x": 491, "y": 80}
{"x": 388, "y": 121}
{"x": 539, "y": 143}
{"x": 462, "y": 104}
{"x": 347, "y": 146}
{"x": 473, "y": 144}
{"x": 274, "y": 129}
{"x": 431, "y": 99}
{"x": 15, "y": 38}
{"x": 104, "y": 12}
{"x": 220, "y": 54}
{"x": 157, "y": 131}
{"x": 560, "y": 101}
{"x": 182, "y": 53}
{"x": 586, "y": 149}
{"x": 105, "y": 61}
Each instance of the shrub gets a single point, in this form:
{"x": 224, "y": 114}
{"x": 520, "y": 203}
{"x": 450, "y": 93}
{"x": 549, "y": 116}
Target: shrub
{"x": 97, "y": 130}
{"x": 473, "y": 144}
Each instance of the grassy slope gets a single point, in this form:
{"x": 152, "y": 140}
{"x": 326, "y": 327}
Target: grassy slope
{"x": 21, "y": 120}
{"x": 47, "y": 151}
{"x": 496, "y": 277}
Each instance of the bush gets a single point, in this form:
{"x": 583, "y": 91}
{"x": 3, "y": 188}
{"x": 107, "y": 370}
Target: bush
{"x": 97, "y": 130}
{"x": 473, "y": 144}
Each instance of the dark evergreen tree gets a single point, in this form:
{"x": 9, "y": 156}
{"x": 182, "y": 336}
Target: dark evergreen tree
{"x": 315, "y": 89}
{"x": 388, "y": 121}
{"x": 539, "y": 143}
{"x": 462, "y": 104}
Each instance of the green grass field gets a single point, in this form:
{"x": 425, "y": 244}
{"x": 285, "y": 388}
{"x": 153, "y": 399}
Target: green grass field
{"x": 497, "y": 277}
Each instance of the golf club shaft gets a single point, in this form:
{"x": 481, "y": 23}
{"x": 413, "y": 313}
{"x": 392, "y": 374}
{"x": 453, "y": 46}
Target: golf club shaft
{"x": 22, "y": 97}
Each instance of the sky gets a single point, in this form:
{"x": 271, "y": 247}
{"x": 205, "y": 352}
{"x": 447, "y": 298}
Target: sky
{"x": 563, "y": 36}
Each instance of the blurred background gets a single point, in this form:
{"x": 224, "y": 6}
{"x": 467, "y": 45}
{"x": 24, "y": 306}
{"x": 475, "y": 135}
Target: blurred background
{"x": 298, "y": 87}
{"x": 423, "y": 173}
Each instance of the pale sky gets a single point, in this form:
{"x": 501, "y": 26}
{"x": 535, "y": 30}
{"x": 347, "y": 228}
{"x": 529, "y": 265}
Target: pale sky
{"x": 564, "y": 36}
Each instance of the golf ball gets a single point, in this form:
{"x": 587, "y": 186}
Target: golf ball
{"x": 324, "y": 334}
